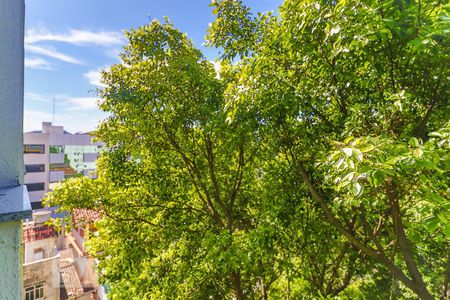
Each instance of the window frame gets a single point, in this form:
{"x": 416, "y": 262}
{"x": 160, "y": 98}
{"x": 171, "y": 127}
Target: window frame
{"x": 35, "y": 184}
{"x": 41, "y": 166}
{"x": 27, "y": 149}
{"x": 35, "y": 291}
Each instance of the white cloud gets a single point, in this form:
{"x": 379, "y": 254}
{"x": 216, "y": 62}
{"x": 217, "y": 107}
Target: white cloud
{"x": 32, "y": 119}
{"x": 64, "y": 102}
{"x": 52, "y": 52}
{"x": 72, "y": 121}
{"x": 81, "y": 103}
{"x": 114, "y": 53}
{"x": 30, "y": 96}
{"x": 94, "y": 77}
{"x": 37, "y": 63}
{"x": 75, "y": 37}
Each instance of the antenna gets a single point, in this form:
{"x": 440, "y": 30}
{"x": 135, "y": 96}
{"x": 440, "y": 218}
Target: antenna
{"x": 53, "y": 111}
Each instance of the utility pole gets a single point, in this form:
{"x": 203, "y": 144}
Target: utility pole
{"x": 53, "y": 111}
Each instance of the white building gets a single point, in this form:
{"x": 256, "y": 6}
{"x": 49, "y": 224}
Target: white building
{"x": 52, "y": 154}
{"x": 56, "y": 265}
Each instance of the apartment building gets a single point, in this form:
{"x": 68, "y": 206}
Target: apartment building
{"x": 53, "y": 154}
{"x": 56, "y": 265}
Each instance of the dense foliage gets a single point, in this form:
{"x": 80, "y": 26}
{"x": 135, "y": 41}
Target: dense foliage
{"x": 315, "y": 165}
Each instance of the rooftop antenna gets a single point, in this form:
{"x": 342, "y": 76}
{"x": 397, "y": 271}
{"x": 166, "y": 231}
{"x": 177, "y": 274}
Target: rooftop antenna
{"x": 53, "y": 111}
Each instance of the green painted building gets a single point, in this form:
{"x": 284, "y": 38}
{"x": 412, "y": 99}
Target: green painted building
{"x": 14, "y": 203}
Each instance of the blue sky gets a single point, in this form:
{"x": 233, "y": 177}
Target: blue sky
{"x": 67, "y": 42}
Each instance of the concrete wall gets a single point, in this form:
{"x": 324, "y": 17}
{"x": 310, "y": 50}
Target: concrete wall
{"x": 56, "y": 176}
{"x": 71, "y": 139}
{"x": 11, "y": 146}
{"x": 47, "y": 245}
{"x": 47, "y": 271}
{"x": 10, "y": 259}
{"x": 11, "y": 91}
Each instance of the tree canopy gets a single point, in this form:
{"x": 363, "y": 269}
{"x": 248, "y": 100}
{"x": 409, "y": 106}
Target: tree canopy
{"x": 314, "y": 164}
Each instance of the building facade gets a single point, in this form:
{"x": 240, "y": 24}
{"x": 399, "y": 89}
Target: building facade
{"x": 56, "y": 265}
{"x": 14, "y": 204}
{"x": 52, "y": 154}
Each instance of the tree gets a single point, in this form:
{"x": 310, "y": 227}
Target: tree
{"x": 177, "y": 185}
{"x": 352, "y": 91}
{"x": 312, "y": 166}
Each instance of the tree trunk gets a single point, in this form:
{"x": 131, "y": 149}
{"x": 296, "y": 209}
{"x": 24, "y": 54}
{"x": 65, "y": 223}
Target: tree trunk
{"x": 237, "y": 288}
{"x": 420, "y": 291}
{"x": 446, "y": 288}
{"x": 404, "y": 244}
{"x": 263, "y": 289}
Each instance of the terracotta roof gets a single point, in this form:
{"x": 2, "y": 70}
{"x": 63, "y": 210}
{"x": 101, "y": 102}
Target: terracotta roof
{"x": 38, "y": 233}
{"x": 82, "y": 215}
{"x": 71, "y": 280}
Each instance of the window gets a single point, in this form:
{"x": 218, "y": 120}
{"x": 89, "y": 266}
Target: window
{"x": 36, "y": 205}
{"x": 32, "y": 187}
{"x": 38, "y": 254}
{"x": 56, "y": 149}
{"x": 31, "y": 148}
{"x": 34, "y": 292}
{"x": 34, "y": 168}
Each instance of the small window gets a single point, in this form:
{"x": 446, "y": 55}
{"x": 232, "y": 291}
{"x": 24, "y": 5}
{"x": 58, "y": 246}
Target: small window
{"x": 32, "y": 187}
{"x": 36, "y": 205}
{"x": 34, "y": 168}
{"x": 31, "y": 148}
{"x": 34, "y": 292}
{"x": 56, "y": 149}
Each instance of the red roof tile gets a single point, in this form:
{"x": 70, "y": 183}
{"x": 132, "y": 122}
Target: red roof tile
{"x": 38, "y": 233}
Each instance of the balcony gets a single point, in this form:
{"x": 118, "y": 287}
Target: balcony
{"x": 56, "y": 176}
{"x": 56, "y": 158}
{"x": 90, "y": 157}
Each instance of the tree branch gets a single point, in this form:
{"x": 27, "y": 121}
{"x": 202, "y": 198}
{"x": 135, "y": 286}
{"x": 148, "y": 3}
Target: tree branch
{"x": 330, "y": 217}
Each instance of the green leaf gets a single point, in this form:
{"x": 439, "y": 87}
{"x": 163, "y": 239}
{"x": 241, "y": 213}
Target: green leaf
{"x": 398, "y": 104}
{"x": 431, "y": 224}
{"x": 447, "y": 230}
{"x": 436, "y": 134}
{"x": 418, "y": 152}
{"x": 357, "y": 188}
{"x": 358, "y": 153}
{"x": 414, "y": 142}
{"x": 342, "y": 184}
{"x": 366, "y": 148}
{"x": 347, "y": 151}
{"x": 378, "y": 177}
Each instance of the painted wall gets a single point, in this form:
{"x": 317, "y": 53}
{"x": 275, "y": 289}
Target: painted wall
{"x": 47, "y": 245}
{"x": 44, "y": 271}
{"x": 10, "y": 259}
{"x": 11, "y": 91}
{"x": 11, "y": 147}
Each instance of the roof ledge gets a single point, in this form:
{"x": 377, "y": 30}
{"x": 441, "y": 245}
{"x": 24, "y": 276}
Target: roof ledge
{"x": 14, "y": 204}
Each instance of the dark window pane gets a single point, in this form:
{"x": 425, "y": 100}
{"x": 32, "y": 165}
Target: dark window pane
{"x": 34, "y": 168}
{"x": 35, "y": 186}
{"x": 31, "y": 148}
{"x": 36, "y": 205}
